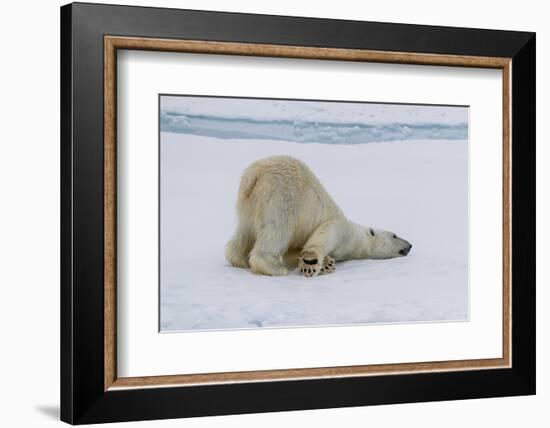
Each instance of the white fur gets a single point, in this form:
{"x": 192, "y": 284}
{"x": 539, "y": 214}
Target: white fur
{"x": 286, "y": 217}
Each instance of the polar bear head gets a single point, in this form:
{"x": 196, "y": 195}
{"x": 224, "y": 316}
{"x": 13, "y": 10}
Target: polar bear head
{"x": 384, "y": 244}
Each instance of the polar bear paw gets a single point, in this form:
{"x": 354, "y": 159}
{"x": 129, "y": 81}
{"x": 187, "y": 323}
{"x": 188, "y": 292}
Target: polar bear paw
{"x": 310, "y": 264}
{"x": 329, "y": 265}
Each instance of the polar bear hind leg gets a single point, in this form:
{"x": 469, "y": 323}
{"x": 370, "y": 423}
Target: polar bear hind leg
{"x": 267, "y": 255}
{"x": 238, "y": 249}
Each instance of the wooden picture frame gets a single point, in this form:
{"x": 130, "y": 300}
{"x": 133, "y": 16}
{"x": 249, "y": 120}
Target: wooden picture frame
{"x": 91, "y": 391}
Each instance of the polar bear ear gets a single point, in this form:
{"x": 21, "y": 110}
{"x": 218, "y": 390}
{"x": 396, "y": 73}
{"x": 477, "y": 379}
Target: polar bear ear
{"x": 371, "y": 231}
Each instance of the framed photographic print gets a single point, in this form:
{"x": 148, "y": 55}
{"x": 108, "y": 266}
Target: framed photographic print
{"x": 320, "y": 213}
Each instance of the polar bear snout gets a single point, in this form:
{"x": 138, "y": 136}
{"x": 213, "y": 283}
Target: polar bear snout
{"x": 405, "y": 250}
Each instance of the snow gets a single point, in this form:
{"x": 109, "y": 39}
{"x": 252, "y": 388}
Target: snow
{"x": 417, "y": 189}
{"x": 317, "y": 111}
{"x": 310, "y": 121}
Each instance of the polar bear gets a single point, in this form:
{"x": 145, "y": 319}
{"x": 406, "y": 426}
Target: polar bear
{"x": 286, "y": 218}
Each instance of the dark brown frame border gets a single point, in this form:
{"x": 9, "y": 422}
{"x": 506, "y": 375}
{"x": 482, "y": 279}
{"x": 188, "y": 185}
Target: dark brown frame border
{"x": 114, "y": 43}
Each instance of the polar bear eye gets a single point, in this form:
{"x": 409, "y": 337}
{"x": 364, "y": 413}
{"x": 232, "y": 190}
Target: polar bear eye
{"x": 394, "y": 236}
{"x": 371, "y": 232}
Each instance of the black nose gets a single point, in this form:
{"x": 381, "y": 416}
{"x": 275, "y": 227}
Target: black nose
{"x": 405, "y": 250}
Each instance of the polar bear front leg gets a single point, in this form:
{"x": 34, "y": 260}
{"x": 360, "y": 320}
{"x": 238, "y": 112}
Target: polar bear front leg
{"x": 329, "y": 265}
{"x": 309, "y": 266}
{"x": 314, "y": 258}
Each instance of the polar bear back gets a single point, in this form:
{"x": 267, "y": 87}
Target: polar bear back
{"x": 282, "y": 192}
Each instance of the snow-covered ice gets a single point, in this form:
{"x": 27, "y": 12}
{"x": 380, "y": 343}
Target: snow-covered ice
{"x": 418, "y": 189}
{"x": 311, "y": 121}
{"x": 261, "y": 109}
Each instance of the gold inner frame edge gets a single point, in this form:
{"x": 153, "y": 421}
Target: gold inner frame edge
{"x": 113, "y": 43}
